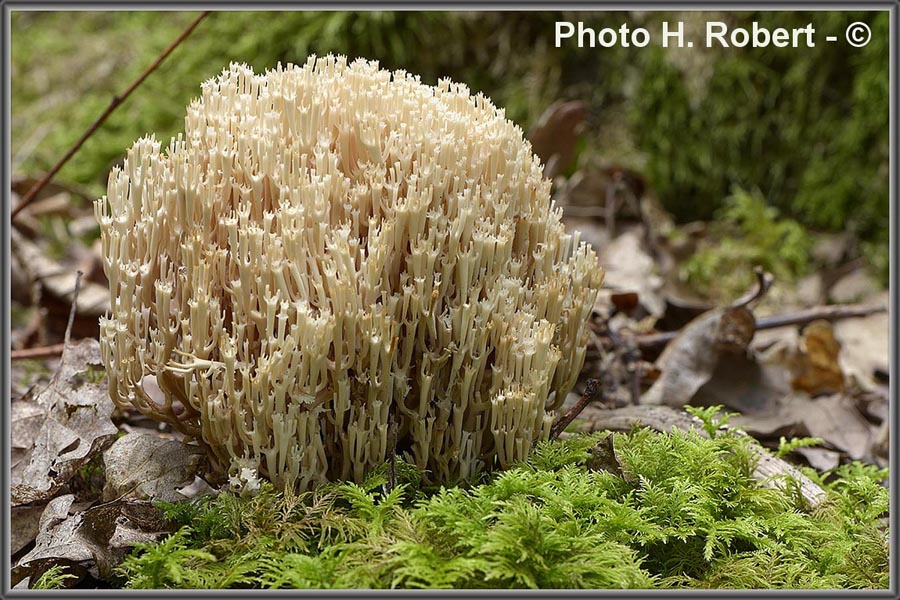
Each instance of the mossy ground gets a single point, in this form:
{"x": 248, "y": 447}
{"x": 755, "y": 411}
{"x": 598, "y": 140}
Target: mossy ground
{"x": 673, "y": 511}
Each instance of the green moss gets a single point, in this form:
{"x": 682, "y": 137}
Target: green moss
{"x": 683, "y": 511}
{"x": 747, "y": 232}
{"x": 53, "y": 578}
{"x": 808, "y": 127}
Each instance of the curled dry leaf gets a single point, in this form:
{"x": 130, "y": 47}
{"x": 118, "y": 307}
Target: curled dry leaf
{"x": 146, "y": 466}
{"x": 690, "y": 360}
{"x": 744, "y": 383}
{"x": 76, "y": 426}
{"x": 603, "y": 457}
{"x": 93, "y": 541}
{"x": 816, "y": 366}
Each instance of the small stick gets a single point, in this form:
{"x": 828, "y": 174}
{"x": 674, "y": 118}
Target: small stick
{"x": 74, "y": 308}
{"x": 68, "y": 336}
{"x": 392, "y": 467}
{"x": 39, "y": 352}
{"x": 591, "y": 392}
{"x": 802, "y": 317}
{"x": 763, "y": 283}
{"x": 118, "y": 99}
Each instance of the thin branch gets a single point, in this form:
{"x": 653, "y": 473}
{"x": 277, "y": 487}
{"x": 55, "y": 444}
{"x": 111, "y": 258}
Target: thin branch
{"x": 763, "y": 283}
{"x": 39, "y": 352}
{"x": 829, "y": 313}
{"x": 74, "y": 308}
{"x": 118, "y": 99}
{"x": 591, "y": 392}
{"x": 68, "y": 336}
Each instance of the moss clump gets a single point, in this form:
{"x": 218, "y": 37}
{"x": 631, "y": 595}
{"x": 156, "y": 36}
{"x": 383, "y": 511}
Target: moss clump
{"x": 808, "y": 127}
{"x": 681, "y": 511}
{"x": 53, "y": 578}
{"x": 747, "y": 232}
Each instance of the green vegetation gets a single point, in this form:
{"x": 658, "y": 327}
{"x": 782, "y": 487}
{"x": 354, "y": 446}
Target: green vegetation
{"x": 808, "y": 127}
{"x": 674, "y": 511}
{"x": 53, "y": 578}
{"x": 747, "y": 232}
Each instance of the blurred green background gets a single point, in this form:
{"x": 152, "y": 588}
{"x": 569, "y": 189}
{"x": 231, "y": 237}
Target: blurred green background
{"x": 805, "y": 128}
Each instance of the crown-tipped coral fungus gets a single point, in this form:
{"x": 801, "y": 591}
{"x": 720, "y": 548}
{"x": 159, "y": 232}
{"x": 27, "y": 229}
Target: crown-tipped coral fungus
{"x": 334, "y": 258}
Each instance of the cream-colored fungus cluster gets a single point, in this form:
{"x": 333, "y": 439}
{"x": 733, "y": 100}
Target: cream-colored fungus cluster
{"x": 332, "y": 251}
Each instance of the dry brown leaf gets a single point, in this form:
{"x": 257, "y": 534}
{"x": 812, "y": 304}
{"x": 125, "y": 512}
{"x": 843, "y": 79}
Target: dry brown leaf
{"x": 75, "y": 428}
{"x": 91, "y": 541}
{"x": 741, "y": 382}
{"x": 835, "y": 419}
{"x": 556, "y": 135}
{"x": 25, "y": 421}
{"x": 149, "y": 467}
{"x": 816, "y": 367}
{"x": 24, "y": 524}
{"x": 820, "y": 459}
{"x": 690, "y": 360}
{"x": 631, "y": 268}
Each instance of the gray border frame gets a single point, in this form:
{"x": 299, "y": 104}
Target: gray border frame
{"x": 891, "y": 6}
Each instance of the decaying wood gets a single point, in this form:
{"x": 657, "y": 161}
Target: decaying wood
{"x": 770, "y": 471}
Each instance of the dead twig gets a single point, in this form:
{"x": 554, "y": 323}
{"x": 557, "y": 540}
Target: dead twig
{"x": 39, "y": 352}
{"x": 763, "y": 283}
{"x": 829, "y": 313}
{"x": 118, "y": 99}
{"x": 68, "y": 335}
{"x": 592, "y": 390}
{"x": 74, "y": 309}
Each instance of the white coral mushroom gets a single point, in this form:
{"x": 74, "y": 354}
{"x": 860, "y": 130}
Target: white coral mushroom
{"x": 332, "y": 249}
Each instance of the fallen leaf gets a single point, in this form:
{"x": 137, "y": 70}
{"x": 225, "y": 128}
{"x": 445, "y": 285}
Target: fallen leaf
{"x": 93, "y": 541}
{"x": 77, "y": 427}
{"x": 25, "y": 421}
{"x": 743, "y": 383}
{"x": 690, "y": 360}
{"x": 835, "y": 419}
{"x": 816, "y": 367}
{"x": 556, "y": 134}
{"x": 56, "y": 281}
{"x": 24, "y": 525}
{"x": 146, "y": 466}
{"x": 866, "y": 339}
{"x": 820, "y": 459}
{"x": 603, "y": 457}
{"x": 631, "y": 268}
